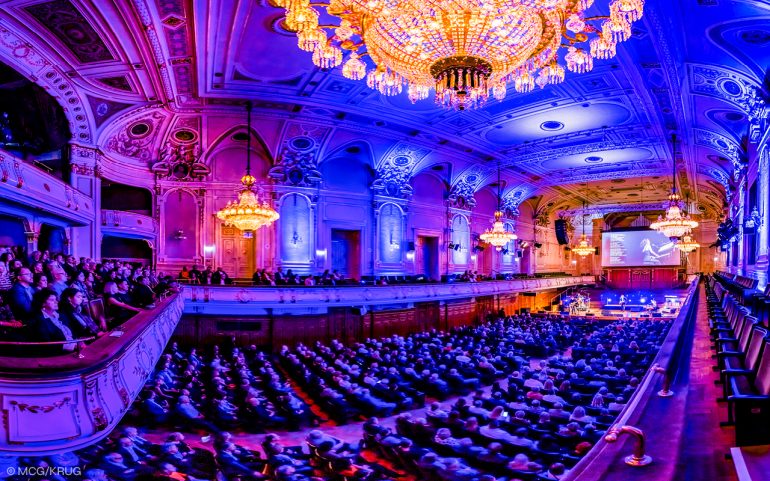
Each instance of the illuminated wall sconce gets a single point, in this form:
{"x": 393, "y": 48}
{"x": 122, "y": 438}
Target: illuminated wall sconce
{"x": 574, "y": 262}
{"x": 179, "y": 235}
{"x": 410, "y": 255}
{"x": 716, "y": 258}
{"x": 320, "y": 253}
{"x": 474, "y": 257}
{"x": 209, "y": 249}
{"x": 296, "y": 239}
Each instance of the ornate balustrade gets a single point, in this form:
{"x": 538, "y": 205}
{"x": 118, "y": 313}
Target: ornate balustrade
{"x": 129, "y": 224}
{"x": 62, "y": 403}
{"x": 242, "y": 300}
{"x": 26, "y": 185}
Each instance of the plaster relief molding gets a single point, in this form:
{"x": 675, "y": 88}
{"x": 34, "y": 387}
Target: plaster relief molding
{"x": 537, "y": 153}
{"x": 299, "y": 154}
{"x": 577, "y": 177}
{"x": 24, "y": 57}
{"x": 221, "y": 300}
{"x": 724, "y": 145}
{"x": 158, "y": 52}
{"x": 730, "y": 86}
{"x": 395, "y": 170}
{"x": 464, "y": 187}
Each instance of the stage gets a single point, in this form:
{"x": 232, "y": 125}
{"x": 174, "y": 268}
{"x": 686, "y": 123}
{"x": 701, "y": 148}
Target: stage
{"x": 613, "y": 304}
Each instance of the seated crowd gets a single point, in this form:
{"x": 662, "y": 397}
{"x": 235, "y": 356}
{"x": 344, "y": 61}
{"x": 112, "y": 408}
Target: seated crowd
{"x": 540, "y": 416}
{"x": 239, "y": 389}
{"x": 58, "y": 299}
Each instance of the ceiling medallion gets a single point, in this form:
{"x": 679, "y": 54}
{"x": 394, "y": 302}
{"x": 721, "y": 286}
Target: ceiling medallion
{"x": 551, "y": 125}
{"x": 465, "y": 51}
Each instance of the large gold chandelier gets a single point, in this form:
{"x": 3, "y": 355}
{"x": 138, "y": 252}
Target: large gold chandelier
{"x": 247, "y": 213}
{"x": 676, "y": 222}
{"x": 498, "y": 236}
{"x": 462, "y": 49}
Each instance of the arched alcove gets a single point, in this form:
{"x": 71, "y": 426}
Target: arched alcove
{"x": 348, "y": 169}
{"x": 461, "y": 240}
{"x": 296, "y": 230}
{"x": 228, "y": 162}
{"x": 391, "y": 233}
{"x": 428, "y": 189}
{"x": 32, "y": 123}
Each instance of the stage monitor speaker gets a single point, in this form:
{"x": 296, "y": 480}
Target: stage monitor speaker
{"x": 561, "y": 231}
{"x": 657, "y": 314}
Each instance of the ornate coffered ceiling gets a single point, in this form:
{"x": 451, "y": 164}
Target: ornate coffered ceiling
{"x": 131, "y": 74}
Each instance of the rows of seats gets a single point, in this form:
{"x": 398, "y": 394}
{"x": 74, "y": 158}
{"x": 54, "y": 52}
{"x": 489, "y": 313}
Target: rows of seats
{"x": 536, "y": 427}
{"x": 740, "y": 340}
{"x": 384, "y": 376}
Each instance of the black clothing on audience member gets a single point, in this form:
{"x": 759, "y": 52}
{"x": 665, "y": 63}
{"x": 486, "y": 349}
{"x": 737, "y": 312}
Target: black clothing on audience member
{"x": 19, "y": 299}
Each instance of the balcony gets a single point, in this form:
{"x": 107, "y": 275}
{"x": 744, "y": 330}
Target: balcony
{"x": 128, "y": 224}
{"x": 25, "y": 185}
{"x": 242, "y": 300}
{"x": 67, "y": 402}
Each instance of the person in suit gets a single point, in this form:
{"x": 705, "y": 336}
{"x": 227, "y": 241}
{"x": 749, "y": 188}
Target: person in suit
{"x": 143, "y": 295}
{"x": 20, "y": 296}
{"x": 231, "y": 465}
{"x": 220, "y": 277}
{"x": 132, "y": 454}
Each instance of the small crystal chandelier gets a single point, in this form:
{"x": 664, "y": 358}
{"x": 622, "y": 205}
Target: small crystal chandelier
{"x": 583, "y": 247}
{"x": 676, "y": 223}
{"x": 687, "y": 244}
{"x": 248, "y": 213}
{"x": 497, "y": 235}
{"x": 466, "y": 51}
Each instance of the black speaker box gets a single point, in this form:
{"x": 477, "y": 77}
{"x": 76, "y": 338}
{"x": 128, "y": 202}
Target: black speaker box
{"x": 561, "y": 231}
{"x": 410, "y": 246}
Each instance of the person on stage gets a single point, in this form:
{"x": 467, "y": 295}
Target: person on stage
{"x": 622, "y": 302}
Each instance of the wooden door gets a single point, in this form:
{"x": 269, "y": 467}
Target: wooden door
{"x": 237, "y": 254}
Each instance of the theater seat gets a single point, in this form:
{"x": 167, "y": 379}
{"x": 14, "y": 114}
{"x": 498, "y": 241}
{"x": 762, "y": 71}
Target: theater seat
{"x": 750, "y": 404}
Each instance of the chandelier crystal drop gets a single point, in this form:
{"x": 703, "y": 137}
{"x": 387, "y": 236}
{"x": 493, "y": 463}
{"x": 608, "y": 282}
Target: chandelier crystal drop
{"x": 354, "y": 68}
{"x": 579, "y": 61}
{"x": 466, "y": 51}
{"x": 687, "y": 244}
{"x": 248, "y": 213}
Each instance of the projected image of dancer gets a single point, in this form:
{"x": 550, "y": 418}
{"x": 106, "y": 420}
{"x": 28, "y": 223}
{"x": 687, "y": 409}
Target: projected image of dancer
{"x": 652, "y": 253}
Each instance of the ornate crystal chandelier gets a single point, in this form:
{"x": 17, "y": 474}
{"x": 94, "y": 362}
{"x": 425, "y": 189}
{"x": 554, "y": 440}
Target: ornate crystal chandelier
{"x": 583, "y": 247}
{"x": 687, "y": 244}
{"x": 462, "y": 50}
{"x": 676, "y": 223}
{"x": 497, "y": 235}
{"x": 247, "y": 213}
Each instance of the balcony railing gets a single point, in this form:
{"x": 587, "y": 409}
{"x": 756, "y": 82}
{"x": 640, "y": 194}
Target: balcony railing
{"x": 204, "y": 299}
{"x": 26, "y": 185}
{"x": 62, "y": 403}
{"x": 129, "y": 224}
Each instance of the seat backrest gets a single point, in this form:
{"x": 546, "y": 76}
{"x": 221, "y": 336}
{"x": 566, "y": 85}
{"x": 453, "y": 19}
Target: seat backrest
{"x": 762, "y": 380}
{"x": 755, "y": 347}
{"x": 96, "y": 308}
{"x": 743, "y": 341}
